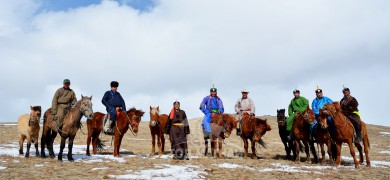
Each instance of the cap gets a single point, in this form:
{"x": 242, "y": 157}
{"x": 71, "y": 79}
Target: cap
{"x": 296, "y": 91}
{"x": 244, "y": 91}
{"x": 66, "y": 81}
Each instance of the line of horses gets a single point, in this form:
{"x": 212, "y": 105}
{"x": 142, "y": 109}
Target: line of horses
{"x": 253, "y": 129}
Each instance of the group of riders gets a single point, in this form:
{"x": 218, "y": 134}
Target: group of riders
{"x": 212, "y": 104}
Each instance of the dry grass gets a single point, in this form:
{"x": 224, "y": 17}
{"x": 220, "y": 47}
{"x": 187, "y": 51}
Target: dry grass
{"x": 22, "y": 168}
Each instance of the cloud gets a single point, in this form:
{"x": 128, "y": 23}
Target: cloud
{"x": 178, "y": 49}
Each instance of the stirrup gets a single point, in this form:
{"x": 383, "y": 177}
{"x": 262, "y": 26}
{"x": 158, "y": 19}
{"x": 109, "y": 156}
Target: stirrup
{"x": 108, "y": 132}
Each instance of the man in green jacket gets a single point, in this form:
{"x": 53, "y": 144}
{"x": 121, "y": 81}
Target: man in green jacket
{"x": 62, "y": 100}
{"x": 297, "y": 105}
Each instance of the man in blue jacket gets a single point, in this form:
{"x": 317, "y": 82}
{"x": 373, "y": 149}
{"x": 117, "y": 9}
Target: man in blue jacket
{"x": 316, "y": 105}
{"x": 112, "y": 99}
{"x": 210, "y": 105}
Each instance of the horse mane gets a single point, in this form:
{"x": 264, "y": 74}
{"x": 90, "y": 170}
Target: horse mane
{"x": 337, "y": 105}
{"x": 137, "y": 112}
{"x": 36, "y": 108}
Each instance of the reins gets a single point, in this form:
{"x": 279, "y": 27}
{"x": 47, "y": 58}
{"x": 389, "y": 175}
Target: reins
{"x": 130, "y": 125}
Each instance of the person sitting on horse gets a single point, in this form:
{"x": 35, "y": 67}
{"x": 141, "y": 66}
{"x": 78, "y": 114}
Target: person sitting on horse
{"x": 349, "y": 106}
{"x": 297, "y": 105}
{"x": 316, "y": 105}
{"x": 178, "y": 129}
{"x": 244, "y": 105}
{"x": 113, "y": 102}
{"x": 210, "y": 106}
{"x": 62, "y": 101}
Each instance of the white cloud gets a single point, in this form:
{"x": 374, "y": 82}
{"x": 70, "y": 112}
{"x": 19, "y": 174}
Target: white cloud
{"x": 180, "y": 48}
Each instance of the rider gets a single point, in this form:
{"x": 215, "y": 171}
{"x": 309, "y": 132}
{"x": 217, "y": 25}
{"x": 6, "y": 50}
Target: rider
{"x": 178, "y": 129}
{"x": 316, "y": 105}
{"x": 349, "y": 106}
{"x": 63, "y": 99}
{"x": 112, "y": 100}
{"x": 297, "y": 105}
{"x": 244, "y": 105}
{"x": 210, "y": 105}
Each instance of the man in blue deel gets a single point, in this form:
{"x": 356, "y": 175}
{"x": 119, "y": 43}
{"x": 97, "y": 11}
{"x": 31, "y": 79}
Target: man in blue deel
{"x": 210, "y": 105}
{"x": 316, "y": 105}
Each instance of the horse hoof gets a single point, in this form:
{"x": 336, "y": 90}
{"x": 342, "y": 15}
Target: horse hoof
{"x": 71, "y": 160}
{"x": 27, "y": 156}
{"x": 88, "y": 154}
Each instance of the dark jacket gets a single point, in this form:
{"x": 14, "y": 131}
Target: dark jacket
{"x": 178, "y": 117}
{"x": 112, "y": 100}
{"x": 349, "y": 105}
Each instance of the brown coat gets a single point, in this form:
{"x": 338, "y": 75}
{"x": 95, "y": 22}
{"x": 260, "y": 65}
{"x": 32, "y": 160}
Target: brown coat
{"x": 62, "y": 97}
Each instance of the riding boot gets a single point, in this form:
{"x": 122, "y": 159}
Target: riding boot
{"x": 107, "y": 127}
{"x": 358, "y": 137}
{"x": 238, "y": 132}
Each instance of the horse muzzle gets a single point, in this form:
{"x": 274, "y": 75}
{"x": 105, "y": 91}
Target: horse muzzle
{"x": 153, "y": 123}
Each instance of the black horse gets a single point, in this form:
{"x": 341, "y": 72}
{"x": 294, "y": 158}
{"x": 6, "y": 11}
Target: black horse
{"x": 283, "y": 133}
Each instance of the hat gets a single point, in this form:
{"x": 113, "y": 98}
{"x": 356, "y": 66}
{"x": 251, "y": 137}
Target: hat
{"x": 244, "y": 91}
{"x": 114, "y": 84}
{"x": 176, "y": 102}
{"x": 345, "y": 89}
{"x": 66, "y": 81}
{"x": 296, "y": 91}
{"x": 318, "y": 90}
{"x": 213, "y": 89}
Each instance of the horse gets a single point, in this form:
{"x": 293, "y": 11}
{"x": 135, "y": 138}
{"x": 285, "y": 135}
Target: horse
{"x": 283, "y": 133}
{"x": 254, "y": 129}
{"x": 95, "y": 127}
{"x": 344, "y": 133}
{"x": 128, "y": 120}
{"x": 157, "y": 126}
{"x": 72, "y": 123}
{"x": 322, "y": 136}
{"x": 28, "y": 128}
{"x": 301, "y": 132}
{"x": 222, "y": 126}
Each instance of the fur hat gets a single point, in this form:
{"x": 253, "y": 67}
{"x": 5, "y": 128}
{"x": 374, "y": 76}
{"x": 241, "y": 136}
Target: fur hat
{"x": 296, "y": 91}
{"x": 114, "y": 84}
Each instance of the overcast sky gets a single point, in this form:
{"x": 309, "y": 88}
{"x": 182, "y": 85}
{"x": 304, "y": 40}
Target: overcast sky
{"x": 160, "y": 51}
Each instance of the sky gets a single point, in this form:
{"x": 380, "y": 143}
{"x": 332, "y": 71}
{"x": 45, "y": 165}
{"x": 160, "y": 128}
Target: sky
{"x": 166, "y": 50}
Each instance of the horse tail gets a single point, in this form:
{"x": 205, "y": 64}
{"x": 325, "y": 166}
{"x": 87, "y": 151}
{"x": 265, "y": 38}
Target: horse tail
{"x": 99, "y": 145}
{"x": 262, "y": 143}
{"x": 368, "y": 142}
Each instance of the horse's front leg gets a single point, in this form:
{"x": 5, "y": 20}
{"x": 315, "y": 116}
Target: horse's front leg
{"x": 214, "y": 148}
{"x": 62, "y": 146}
{"x": 307, "y": 151}
{"x": 297, "y": 158}
{"x": 28, "y": 146}
{"x": 338, "y": 157}
{"x": 253, "y": 143}
{"x": 153, "y": 144}
{"x": 159, "y": 144}
{"x": 360, "y": 149}
{"x": 89, "y": 143}
{"x": 322, "y": 153}
{"x": 352, "y": 151}
{"x": 220, "y": 148}
{"x": 116, "y": 142}
{"x": 119, "y": 145}
{"x": 245, "y": 147}
{"x": 206, "y": 142}
{"x": 70, "y": 147}
{"x": 36, "y": 136}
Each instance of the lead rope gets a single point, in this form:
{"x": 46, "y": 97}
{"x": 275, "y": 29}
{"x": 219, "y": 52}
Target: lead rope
{"x": 131, "y": 129}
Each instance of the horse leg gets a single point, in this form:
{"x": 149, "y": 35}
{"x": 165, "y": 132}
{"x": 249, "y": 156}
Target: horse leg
{"x": 36, "y": 135}
{"x": 21, "y": 141}
{"x": 245, "y": 148}
{"x": 70, "y": 147}
{"x": 162, "y": 142}
{"x": 220, "y": 148}
{"x": 159, "y": 144}
{"x": 95, "y": 137}
{"x": 307, "y": 151}
{"x": 119, "y": 145}
{"x": 313, "y": 151}
{"x": 352, "y": 151}
{"x": 330, "y": 153}
{"x": 338, "y": 159}
{"x": 62, "y": 146}
{"x": 297, "y": 158}
{"x": 153, "y": 144}
{"x": 206, "y": 142}
{"x": 214, "y": 148}
{"x": 253, "y": 144}
{"x": 292, "y": 148}
{"x": 89, "y": 143}
{"x": 50, "y": 144}
{"x": 286, "y": 148}
{"x": 360, "y": 149}
{"x": 28, "y": 146}
{"x": 322, "y": 153}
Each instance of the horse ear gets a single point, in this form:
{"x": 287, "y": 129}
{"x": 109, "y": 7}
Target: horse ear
{"x": 82, "y": 97}
{"x": 158, "y": 108}
{"x": 337, "y": 106}
{"x": 90, "y": 98}
{"x": 150, "y": 107}
{"x": 31, "y": 107}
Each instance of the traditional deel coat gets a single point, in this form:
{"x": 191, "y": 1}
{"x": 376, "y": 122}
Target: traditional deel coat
{"x": 297, "y": 105}
{"x": 179, "y": 129}
{"x": 209, "y": 106}
{"x": 112, "y": 100}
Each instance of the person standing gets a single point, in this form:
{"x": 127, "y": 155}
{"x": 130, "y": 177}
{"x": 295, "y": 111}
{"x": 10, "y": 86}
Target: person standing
{"x": 178, "y": 129}
{"x": 62, "y": 101}
{"x": 244, "y": 105}
{"x": 113, "y": 102}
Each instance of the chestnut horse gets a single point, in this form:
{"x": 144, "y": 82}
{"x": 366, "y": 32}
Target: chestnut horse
{"x": 72, "y": 123}
{"x": 344, "y": 133}
{"x": 283, "y": 133}
{"x": 301, "y": 132}
{"x": 222, "y": 126}
{"x": 254, "y": 129}
{"x": 95, "y": 127}
{"x": 322, "y": 136}
{"x": 157, "y": 126}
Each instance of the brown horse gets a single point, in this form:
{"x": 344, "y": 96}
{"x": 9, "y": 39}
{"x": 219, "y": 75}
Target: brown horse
{"x": 344, "y": 133}
{"x": 95, "y": 127}
{"x": 301, "y": 132}
{"x": 322, "y": 136}
{"x": 157, "y": 126}
{"x": 69, "y": 128}
{"x": 126, "y": 120}
{"x": 254, "y": 129}
{"x": 28, "y": 128}
{"x": 221, "y": 128}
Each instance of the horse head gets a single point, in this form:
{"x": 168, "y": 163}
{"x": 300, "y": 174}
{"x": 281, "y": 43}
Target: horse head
{"x": 35, "y": 114}
{"x": 331, "y": 109}
{"x": 229, "y": 123}
{"x": 154, "y": 113}
{"x": 281, "y": 118}
{"x": 135, "y": 118}
{"x": 323, "y": 120}
{"x": 261, "y": 127}
{"x": 309, "y": 116}
{"x": 86, "y": 106}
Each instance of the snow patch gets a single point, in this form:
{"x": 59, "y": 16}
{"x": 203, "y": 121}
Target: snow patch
{"x": 233, "y": 166}
{"x": 2, "y": 168}
{"x": 8, "y": 124}
{"x": 384, "y": 133}
{"x": 166, "y": 171}
{"x": 374, "y": 164}
{"x": 39, "y": 165}
{"x": 385, "y": 152}
{"x": 101, "y": 168}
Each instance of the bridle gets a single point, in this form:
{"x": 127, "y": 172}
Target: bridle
{"x": 131, "y": 123}
{"x": 333, "y": 115}
{"x": 281, "y": 119}
{"x": 84, "y": 109}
